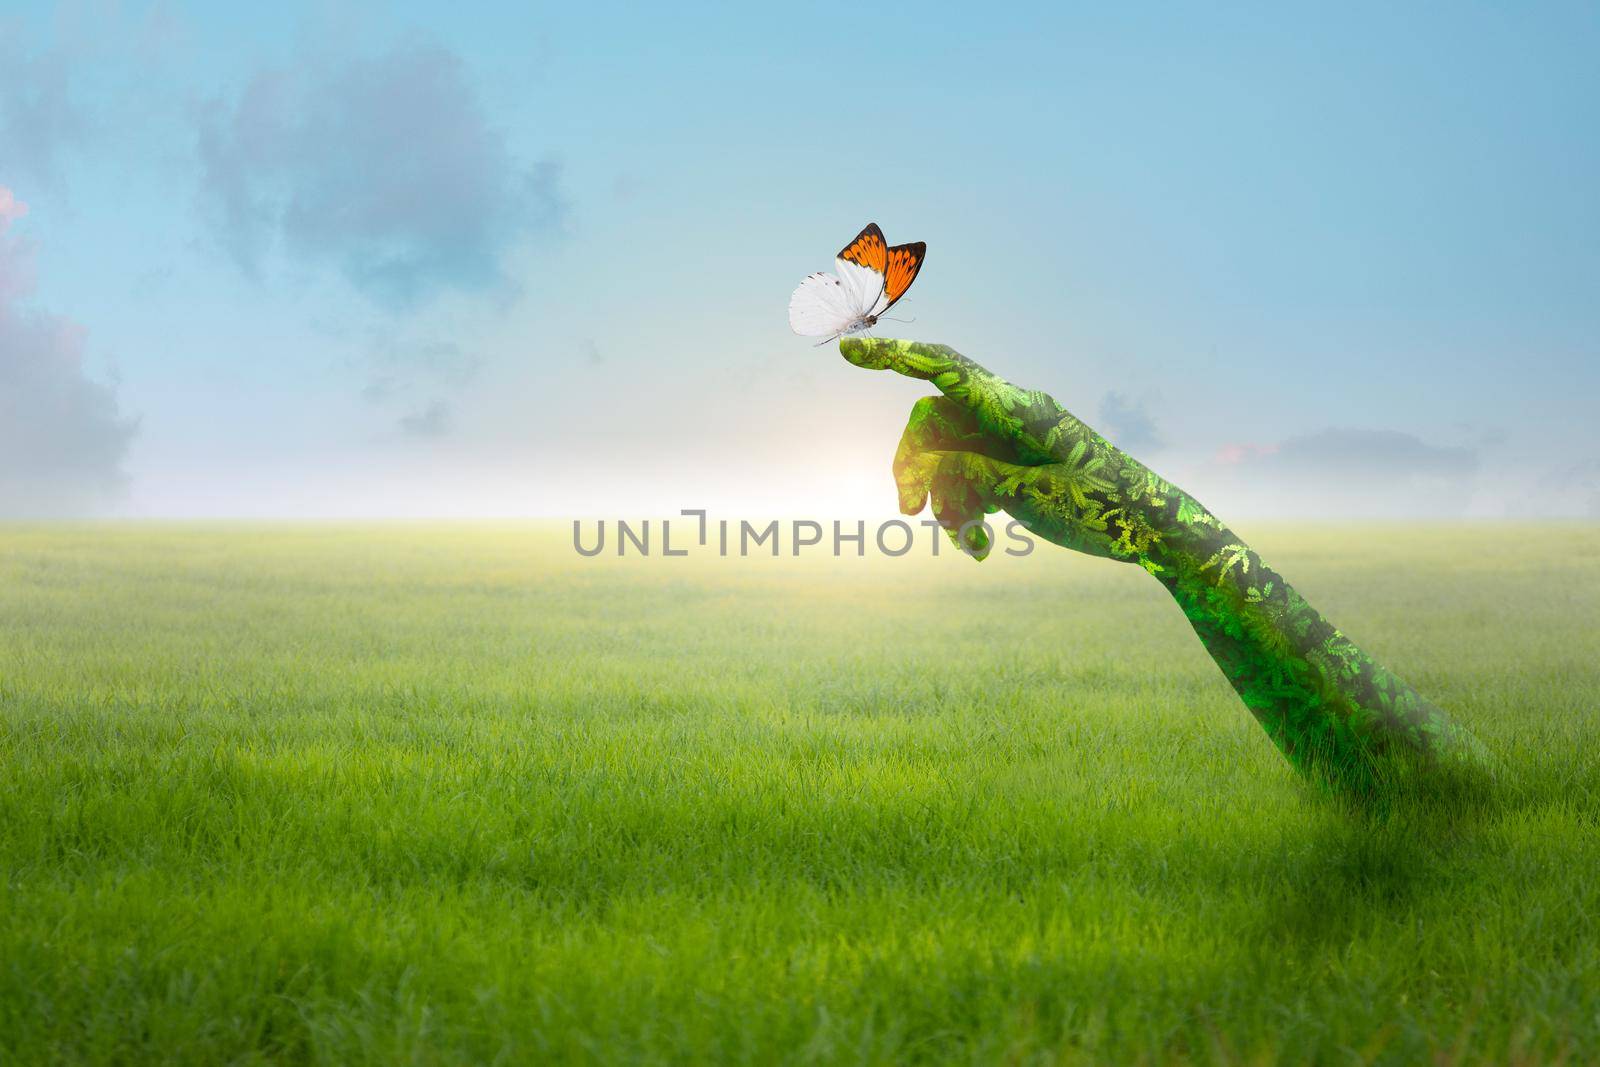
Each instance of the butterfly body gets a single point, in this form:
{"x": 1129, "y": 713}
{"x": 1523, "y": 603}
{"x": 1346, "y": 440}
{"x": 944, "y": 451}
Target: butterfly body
{"x": 872, "y": 276}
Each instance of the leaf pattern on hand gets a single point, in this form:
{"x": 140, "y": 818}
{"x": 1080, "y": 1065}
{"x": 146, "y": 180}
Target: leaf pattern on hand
{"x": 985, "y": 444}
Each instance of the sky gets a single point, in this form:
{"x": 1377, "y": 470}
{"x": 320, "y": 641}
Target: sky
{"x": 413, "y": 260}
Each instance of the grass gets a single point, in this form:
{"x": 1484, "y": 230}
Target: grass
{"x": 434, "y": 795}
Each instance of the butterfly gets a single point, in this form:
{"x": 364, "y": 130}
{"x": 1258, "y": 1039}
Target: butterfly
{"x": 872, "y": 276}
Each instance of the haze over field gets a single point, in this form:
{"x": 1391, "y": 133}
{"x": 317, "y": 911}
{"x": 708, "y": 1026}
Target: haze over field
{"x": 1258, "y": 247}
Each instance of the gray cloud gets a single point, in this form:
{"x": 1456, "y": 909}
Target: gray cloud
{"x": 386, "y": 169}
{"x": 400, "y": 369}
{"x": 399, "y": 366}
{"x": 38, "y": 120}
{"x": 445, "y": 362}
{"x": 1567, "y": 490}
{"x": 63, "y": 437}
{"x": 1126, "y": 422}
{"x": 1355, "y": 473}
{"x": 431, "y": 421}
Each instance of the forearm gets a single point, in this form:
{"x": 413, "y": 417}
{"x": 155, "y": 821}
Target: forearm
{"x": 1325, "y": 703}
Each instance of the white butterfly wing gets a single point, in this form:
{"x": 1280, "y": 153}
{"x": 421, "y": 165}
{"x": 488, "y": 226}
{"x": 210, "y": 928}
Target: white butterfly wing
{"x": 864, "y": 284}
{"x": 822, "y": 306}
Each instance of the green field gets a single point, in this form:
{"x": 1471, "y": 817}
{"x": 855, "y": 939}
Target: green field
{"x": 454, "y": 794}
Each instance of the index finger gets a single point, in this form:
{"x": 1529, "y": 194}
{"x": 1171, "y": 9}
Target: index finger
{"x": 999, "y": 406}
{"x": 911, "y": 358}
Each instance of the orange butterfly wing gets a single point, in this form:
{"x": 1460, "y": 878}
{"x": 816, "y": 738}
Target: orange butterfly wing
{"x": 868, "y": 249}
{"x": 903, "y": 262}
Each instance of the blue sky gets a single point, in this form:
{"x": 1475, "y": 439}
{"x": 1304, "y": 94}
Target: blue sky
{"x": 392, "y": 259}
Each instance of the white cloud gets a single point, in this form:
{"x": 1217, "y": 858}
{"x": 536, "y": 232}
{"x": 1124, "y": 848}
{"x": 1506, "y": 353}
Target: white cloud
{"x": 63, "y": 436}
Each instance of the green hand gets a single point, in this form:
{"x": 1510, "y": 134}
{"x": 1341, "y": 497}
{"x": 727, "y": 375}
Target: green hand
{"x": 986, "y": 445}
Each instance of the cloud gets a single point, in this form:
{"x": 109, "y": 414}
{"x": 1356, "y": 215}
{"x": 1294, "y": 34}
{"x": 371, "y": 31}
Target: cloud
{"x": 399, "y": 364}
{"x": 400, "y": 369}
{"x": 431, "y": 421}
{"x": 386, "y": 169}
{"x": 1346, "y": 472}
{"x": 1485, "y": 435}
{"x": 1567, "y": 490}
{"x": 63, "y": 437}
{"x": 38, "y": 119}
{"x": 1126, "y": 422}
{"x": 1240, "y": 451}
{"x": 11, "y": 209}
